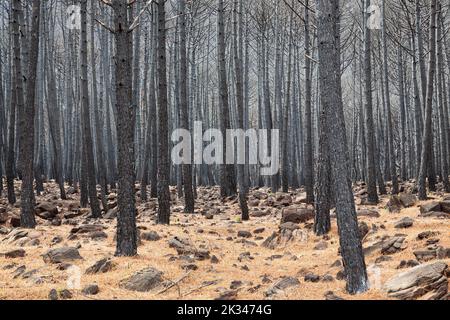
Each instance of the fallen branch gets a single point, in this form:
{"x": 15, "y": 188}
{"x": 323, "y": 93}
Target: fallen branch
{"x": 174, "y": 283}
{"x": 207, "y": 284}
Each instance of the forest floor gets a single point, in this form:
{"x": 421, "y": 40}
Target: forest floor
{"x": 244, "y": 269}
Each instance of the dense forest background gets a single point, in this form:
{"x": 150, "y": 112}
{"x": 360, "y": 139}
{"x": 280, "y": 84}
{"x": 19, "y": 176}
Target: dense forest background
{"x": 90, "y": 92}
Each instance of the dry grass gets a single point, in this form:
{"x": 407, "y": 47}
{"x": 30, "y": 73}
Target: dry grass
{"x": 216, "y": 231}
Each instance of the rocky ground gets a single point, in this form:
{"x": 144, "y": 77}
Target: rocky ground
{"x": 214, "y": 255}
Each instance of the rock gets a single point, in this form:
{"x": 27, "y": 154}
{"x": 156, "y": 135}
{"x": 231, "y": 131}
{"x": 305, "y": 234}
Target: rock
{"x": 426, "y": 235}
{"x": 4, "y": 230}
{"x": 442, "y": 253}
{"x": 408, "y": 264}
{"x": 101, "y": 266}
{"x": 337, "y": 263}
{"x": 46, "y": 211}
{"x": 363, "y": 229}
{"x": 404, "y": 223}
{"x": 329, "y": 295}
{"x": 61, "y": 255}
{"x": 425, "y": 255}
{"x": 111, "y": 213}
{"x": 150, "y": 236}
{"x": 445, "y": 205}
{"x": 235, "y": 284}
{"x": 393, "y": 245}
{"x": 341, "y": 275}
{"x": 431, "y": 206}
{"x": 260, "y": 213}
{"x": 189, "y": 266}
{"x": 143, "y": 281}
{"x": 227, "y": 295}
{"x": 65, "y": 294}
{"x": 311, "y": 277}
{"x": 4, "y": 216}
{"x": 289, "y": 226}
{"x": 282, "y": 284}
{"x": 259, "y": 230}
{"x": 244, "y": 234}
{"x": 53, "y": 295}
{"x": 17, "y": 253}
{"x": 296, "y": 215}
{"x": 209, "y": 216}
{"x": 322, "y": 245}
{"x": 371, "y": 213}
{"x": 63, "y": 266}
{"x": 15, "y": 221}
{"x": 382, "y": 259}
{"x": 90, "y": 289}
{"x": 327, "y": 278}
{"x": 74, "y": 214}
{"x": 435, "y": 214}
{"x": 253, "y": 203}
{"x": 56, "y": 240}
{"x": 87, "y": 228}
{"x": 271, "y": 241}
{"x": 214, "y": 259}
{"x": 427, "y": 280}
{"x": 98, "y": 235}
{"x": 407, "y": 199}
{"x": 394, "y": 204}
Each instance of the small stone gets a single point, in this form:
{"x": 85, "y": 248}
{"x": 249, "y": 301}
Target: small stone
{"x": 404, "y": 223}
{"x": 214, "y": 259}
{"x": 363, "y": 229}
{"x": 98, "y": 235}
{"x": 259, "y": 230}
{"x": 383, "y": 259}
{"x": 150, "y": 236}
{"x": 281, "y": 285}
{"x": 426, "y": 235}
{"x": 329, "y": 295}
{"x": 227, "y": 295}
{"x": 244, "y": 234}
{"x": 297, "y": 215}
{"x": 407, "y": 264}
{"x": 189, "y": 266}
{"x": 65, "y": 294}
{"x": 61, "y": 255}
{"x": 322, "y": 245}
{"x": 311, "y": 277}
{"x": 18, "y": 253}
{"x": 91, "y": 289}
{"x": 143, "y": 281}
{"x": 236, "y": 284}
{"x": 101, "y": 266}
{"x": 429, "y": 207}
{"x": 53, "y": 295}
{"x": 327, "y": 278}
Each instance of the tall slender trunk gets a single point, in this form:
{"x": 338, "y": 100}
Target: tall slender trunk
{"x": 237, "y": 55}
{"x": 328, "y": 33}
{"x": 390, "y": 132}
{"x": 88, "y": 148}
{"x": 370, "y": 134}
{"x": 27, "y": 218}
{"x": 163, "y": 140}
{"x": 126, "y": 216}
{"x": 227, "y": 185}
{"x": 427, "y": 134}
{"x": 309, "y": 168}
{"x": 184, "y": 108}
